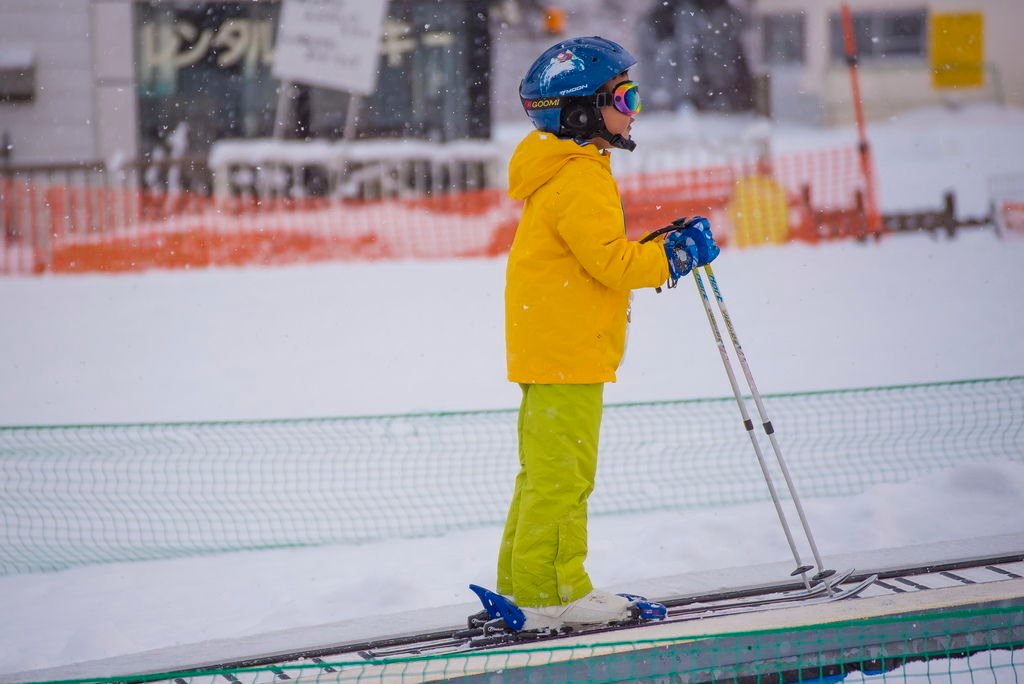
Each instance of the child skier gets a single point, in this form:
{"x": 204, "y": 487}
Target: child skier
{"x": 570, "y": 272}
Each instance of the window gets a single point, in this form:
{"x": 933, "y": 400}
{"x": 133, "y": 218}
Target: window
{"x": 883, "y": 34}
{"x": 783, "y": 38}
{"x": 17, "y": 73}
{"x": 208, "y": 63}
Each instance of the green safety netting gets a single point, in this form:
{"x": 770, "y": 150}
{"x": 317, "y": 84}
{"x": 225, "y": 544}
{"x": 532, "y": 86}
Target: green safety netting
{"x": 72, "y": 495}
{"x": 982, "y": 645}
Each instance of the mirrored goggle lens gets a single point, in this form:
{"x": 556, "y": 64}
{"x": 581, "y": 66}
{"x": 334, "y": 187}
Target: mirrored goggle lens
{"x": 627, "y": 98}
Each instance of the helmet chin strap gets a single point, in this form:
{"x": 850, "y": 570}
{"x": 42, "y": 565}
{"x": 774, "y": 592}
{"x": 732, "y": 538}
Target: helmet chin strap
{"x": 616, "y": 140}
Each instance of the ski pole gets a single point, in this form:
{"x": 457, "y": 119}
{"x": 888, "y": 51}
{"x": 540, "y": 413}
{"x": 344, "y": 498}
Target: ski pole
{"x": 749, "y": 426}
{"x": 766, "y": 422}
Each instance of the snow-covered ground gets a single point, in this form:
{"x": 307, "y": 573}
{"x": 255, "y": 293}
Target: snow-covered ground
{"x": 346, "y": 339}
{"x": 359, "y": 339}
{"x": 987, "y": 667}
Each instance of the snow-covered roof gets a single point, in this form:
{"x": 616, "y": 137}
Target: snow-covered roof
{"x": 255, "y": 152}
{"x": 15, "y": 57}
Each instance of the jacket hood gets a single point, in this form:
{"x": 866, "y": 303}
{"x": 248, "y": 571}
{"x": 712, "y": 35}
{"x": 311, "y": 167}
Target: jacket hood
{"x": 539, "y": 156}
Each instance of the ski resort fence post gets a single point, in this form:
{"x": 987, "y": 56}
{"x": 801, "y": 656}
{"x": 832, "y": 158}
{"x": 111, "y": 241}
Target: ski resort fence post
{"x": 867, "y": 167}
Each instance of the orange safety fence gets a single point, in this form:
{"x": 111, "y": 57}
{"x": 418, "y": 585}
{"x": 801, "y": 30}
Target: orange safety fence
{"x": 808, "y": 196}
{"x": 65, "y": 228}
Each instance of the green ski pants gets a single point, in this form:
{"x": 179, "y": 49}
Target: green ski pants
{"x": 540, "y": 562}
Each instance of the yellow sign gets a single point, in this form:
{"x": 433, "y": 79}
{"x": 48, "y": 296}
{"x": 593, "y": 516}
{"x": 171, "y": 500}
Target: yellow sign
{"x": 958, "y": 50}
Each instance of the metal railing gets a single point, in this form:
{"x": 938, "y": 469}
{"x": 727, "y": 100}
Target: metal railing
{"x": 367, "y": 170}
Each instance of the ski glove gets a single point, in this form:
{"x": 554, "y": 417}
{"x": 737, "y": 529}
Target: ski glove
{"x": 690, "y": 246}
{"x": 682, "y": 256}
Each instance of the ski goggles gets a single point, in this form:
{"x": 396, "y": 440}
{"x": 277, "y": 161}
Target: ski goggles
{"x": 625, "y": 98}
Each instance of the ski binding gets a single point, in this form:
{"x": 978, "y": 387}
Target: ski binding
{"x": 501, "y": 614}
{"x": 645, "y": 610}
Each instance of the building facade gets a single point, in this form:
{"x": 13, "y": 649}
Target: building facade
{"x": 784, "y": 58}
{"x": 799, "y": 44}
{"x": 125, "y": 78}
{"x": 105, "y": 79}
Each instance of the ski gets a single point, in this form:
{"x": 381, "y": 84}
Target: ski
{"x": 817, "y": 589}
{"x": 785, "y": 602}
{"x": 741, "y": 598}
{"x": 490, "y": 633}
{"x": 380, "y": 645}
{"x": 816, "y": 596}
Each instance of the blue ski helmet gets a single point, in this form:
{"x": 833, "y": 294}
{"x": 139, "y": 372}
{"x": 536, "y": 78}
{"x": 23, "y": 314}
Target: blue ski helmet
{"x": 574, "y": 67}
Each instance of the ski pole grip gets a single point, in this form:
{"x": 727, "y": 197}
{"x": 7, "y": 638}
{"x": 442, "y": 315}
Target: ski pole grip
{"x": 675, "y": 225}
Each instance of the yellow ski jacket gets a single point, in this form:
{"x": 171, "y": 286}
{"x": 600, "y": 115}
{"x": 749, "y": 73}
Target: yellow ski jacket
{"x": 571, "y": 267}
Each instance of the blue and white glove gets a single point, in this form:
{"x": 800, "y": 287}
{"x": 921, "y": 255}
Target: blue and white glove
{"x": 682, "y": 256}
{"x": 691, "y": 246}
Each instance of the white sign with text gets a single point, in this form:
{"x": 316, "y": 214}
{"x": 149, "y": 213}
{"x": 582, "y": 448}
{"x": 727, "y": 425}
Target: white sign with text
{"x": 330, "y": 43}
